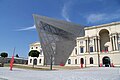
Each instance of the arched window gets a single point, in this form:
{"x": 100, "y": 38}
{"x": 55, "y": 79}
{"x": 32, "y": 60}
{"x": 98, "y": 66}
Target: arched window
{"x": 31, "y": 47}
{"x": 40, "y": 60}
{"x": 30, "y": 60}
{"x": 91, "y": 60}
{"x": 75, "y": 61}
{"x": 36, "y": 47}
{"x": 81, "y": 61}
{"x": 69, "y": 61}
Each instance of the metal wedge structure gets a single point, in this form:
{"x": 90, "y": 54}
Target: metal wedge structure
{"x": 57, "y": 38}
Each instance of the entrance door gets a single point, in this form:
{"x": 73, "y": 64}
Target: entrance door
{"x": 81, "y": 62}
{"x": 106, "y": 61}
{"x": 35, "y": 61}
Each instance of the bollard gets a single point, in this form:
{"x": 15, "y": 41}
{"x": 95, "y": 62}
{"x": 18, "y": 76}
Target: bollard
{"x": 112, "y": 65}
{"x": 81, "y": 65}
{"x": 101, "y": 65}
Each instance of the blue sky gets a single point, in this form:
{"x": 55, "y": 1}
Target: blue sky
{"x": 17, "y": 24}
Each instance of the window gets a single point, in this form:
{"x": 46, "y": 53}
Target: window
{"x": 40, "y": 52}
{"x": 91, "y": 60}
{"x": 36, "y": 47}
{"x": 75, "y": 50}
{"x": 119, "y": 38}
{"x": 40, "y": 60}
{"x": 119, "y": 46}
{"x": 75, "y": 61}
{"x": 69, "y": 61}
{"x": 81, "y": 61}
{"x": 30, "y": 60}
{"x": 91, "y": 41}
{"x": 81, "y": 50}
{"x": 91, "y": 49}
{"x": 31, "y": 47}
{"x": 81, "y": 42}
{"x": 106, "y": 49}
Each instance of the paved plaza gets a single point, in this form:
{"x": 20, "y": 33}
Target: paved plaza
{"x": 104, "y": 73}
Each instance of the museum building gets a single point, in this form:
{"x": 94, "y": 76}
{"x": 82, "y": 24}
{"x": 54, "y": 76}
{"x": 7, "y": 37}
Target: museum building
{"x": 74, "y": 45}
{"x": 37, "y": 60}
{"x": 99, "y": 47}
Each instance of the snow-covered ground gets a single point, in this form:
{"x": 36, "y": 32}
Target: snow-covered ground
{"x": 78, "y": 74}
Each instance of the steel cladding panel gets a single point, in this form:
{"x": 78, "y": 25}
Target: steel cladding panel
{"x": 57, "y": 38}
{"x": 63, "y": 51}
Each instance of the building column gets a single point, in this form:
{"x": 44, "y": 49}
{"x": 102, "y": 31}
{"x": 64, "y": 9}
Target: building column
{"x": 113, "y": 43}
{"x": 116, "y": 42}
{"x": 94, "y": 43}
{"x": 111, "y": 40}
{"x": 86, "y": 45}
{"x": 78, "y": 44}
{"x": 98, "y": 44}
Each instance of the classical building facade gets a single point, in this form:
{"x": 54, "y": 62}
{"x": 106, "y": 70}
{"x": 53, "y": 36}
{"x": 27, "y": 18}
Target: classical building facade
{"x": 99, "y": 47}
{"x": 37, "y": 60}
{"x": 71, "y": 44}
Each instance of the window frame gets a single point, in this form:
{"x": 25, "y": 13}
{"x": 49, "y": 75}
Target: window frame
{"x": 69, "y": 61}
{"x": 40, "y": 60}
{"x": 30, "y": 60}
{"x": 119, "y": 46}
{"x": 81, "y": 60}
{"x": 91, "y": 48}
{"x": 81, "y": 49}
{"x": 91, "y": 60}
{"x": 75, "y": 61}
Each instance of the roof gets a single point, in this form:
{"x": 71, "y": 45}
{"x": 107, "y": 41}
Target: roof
{"x": 35, "y": 43}
{"x": 103, "y": 25}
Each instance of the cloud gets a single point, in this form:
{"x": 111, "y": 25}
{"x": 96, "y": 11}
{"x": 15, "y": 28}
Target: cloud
{"x": 93, "y": 18}
{"x": 101, "y": 17}
{"x": 28, "y": 28}
{"x": 65, "y": 11}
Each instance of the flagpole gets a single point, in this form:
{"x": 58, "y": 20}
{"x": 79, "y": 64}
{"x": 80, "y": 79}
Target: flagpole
{"x": 14, "y": 51}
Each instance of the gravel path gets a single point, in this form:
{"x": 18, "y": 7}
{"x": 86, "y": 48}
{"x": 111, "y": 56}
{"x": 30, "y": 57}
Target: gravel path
{"x": 78, "y": 74}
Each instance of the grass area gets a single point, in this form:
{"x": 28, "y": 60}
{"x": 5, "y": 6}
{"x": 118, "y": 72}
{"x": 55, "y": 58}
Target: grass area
{"x": 22, "y": 66}
{"x": 26, "y": 67}
{"x": 67, "y": 67}
{"x": 55, "y": 67}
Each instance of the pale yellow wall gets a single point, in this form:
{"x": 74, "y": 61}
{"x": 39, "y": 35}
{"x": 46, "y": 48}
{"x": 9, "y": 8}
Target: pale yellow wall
{"x": 94, "y": 31}
{"x": 91, "y": 32}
